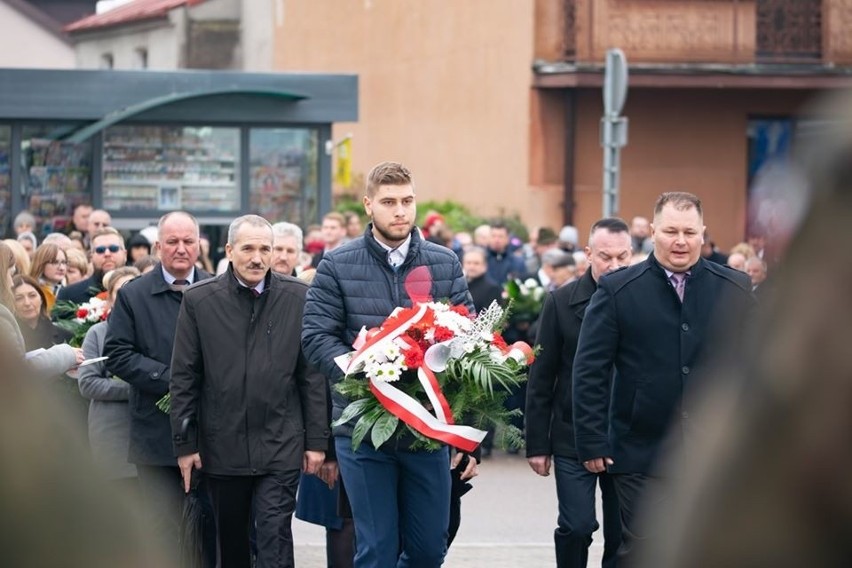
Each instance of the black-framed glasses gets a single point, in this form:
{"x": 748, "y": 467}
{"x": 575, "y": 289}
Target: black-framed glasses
{"x": 111, "y": 248}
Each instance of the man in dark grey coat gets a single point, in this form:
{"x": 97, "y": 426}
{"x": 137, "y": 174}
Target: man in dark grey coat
{"x": 652, "y": 322}
{"x": 139, "y": 346}
{"x": 549, "y": 428}
{"x": 397, "y": 495}
{"x": 246, "y": 406}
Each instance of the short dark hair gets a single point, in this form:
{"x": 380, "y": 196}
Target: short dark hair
{"x": 681, "y": 201}
{"x": 611, "y": 224}
{"x": 387, "y": 173}
{"x": 499, "y": 224}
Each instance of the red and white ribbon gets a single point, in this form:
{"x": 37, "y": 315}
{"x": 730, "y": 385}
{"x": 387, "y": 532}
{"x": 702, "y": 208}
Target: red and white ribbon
{"x": 438, "y": 426}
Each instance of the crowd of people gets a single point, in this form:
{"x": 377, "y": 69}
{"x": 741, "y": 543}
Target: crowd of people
{"x": 229, "y": 369}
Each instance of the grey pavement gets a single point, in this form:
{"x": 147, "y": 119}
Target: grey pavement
{"x": 507, "y": 521}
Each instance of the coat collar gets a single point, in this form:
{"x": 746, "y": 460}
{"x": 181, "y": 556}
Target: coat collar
{"x": 696, "y": 270}
{"x": 380, "y": 253}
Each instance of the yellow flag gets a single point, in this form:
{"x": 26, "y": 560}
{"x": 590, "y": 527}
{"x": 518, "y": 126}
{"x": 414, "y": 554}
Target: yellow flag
{"x": 343, "y": 176}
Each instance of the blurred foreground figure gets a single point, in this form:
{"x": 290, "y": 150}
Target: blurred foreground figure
{"x": 56, "y": 510}
{"x": 770, "y": 486}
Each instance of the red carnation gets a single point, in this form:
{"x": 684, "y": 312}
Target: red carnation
{"x": 82, "y": 313}
{"x": 443, "y": 334}
{"x": 413, "y": 357}
{"x": 460, "y": 310}
{"x": 500, "y": 343}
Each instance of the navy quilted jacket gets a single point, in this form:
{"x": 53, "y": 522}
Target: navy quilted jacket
{"x": 355, "y": 286}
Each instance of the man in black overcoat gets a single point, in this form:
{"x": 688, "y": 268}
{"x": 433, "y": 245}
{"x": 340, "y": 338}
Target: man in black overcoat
{"x": 139, "y": 346}
{"x": 549, "y": 428}
{"x": 652, "y": 322}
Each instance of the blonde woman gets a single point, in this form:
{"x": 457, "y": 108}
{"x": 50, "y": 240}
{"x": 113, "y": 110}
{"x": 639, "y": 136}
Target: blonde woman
{"x": 21, "y": 258}
{"x": 49, "y": 267}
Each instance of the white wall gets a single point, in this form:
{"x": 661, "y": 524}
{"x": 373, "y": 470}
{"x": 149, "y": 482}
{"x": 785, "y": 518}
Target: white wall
{"x": 23, "y": 43}
{"x": 163, "y": 39}
{"x": 257, "y": 43}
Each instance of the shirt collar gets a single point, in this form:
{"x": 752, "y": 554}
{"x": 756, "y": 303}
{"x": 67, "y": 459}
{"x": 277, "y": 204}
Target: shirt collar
{"x": 261, "y": 286}
{"x": 396, "y": 256}
{"x": 171, "y": 279}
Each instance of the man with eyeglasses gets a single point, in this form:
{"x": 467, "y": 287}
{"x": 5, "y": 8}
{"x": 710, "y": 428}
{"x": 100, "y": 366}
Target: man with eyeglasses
{"x": 108, "y": 253}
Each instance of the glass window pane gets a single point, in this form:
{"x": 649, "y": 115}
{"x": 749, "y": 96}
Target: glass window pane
{"x": 284, "y": 174}
{"x": 5, "y": 180}
{"x": 56, "y": 174}
{"x": 162, "y": 168}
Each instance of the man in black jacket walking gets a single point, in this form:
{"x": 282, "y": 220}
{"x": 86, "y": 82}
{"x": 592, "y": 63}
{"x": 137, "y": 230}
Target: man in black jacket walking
{"x": 139, "y": 346}
{"x": 549, "y": 428}
{"x": 256, "y": 411}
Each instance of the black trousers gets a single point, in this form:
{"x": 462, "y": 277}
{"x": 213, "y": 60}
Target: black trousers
{"x": 273, "y": 499}
{"x": 161, "y": 488}
{"x": 637, "y": 492}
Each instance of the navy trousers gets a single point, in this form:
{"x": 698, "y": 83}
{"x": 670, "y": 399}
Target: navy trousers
{"x": 398, "y": 498}
{"x": 575, "y": 490}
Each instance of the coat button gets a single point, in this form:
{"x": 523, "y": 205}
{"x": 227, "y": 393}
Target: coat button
{"x": 684, "y": 326}
{"x": 685, "y": 415}
{"x": 685, "y": 370}
{"x": 155, "y": 374}
{"x": 254, "y": 471}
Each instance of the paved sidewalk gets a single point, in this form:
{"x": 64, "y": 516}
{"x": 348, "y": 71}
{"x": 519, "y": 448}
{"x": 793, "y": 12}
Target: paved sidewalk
{"x": 507, "y": 521}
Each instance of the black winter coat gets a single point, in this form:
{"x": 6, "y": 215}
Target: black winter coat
{"x": 355, "y": 286}
{"x": 238, "y": 373}
{"x": 636, "y": 322}
{"x": 548, "y": 416}
{"x": 139, "y": 346}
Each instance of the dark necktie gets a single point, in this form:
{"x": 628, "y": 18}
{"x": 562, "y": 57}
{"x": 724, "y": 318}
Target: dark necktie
{"x": 179, "y": 285}
{"x": 254, "y": 292}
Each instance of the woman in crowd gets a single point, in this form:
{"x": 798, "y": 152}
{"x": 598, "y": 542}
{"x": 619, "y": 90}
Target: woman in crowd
{"x": 53, "y": 360}
{"x": 31, "y": 311}
{"x": 40, "y": 333}
{"x": 109, "y": 413}
{"x": 29, "y": 241}
{"x": 78, "y": 266}
{"x": 21, "y": 258}
{"x": 49, "y": 267}
{"x": 137, "y": 247}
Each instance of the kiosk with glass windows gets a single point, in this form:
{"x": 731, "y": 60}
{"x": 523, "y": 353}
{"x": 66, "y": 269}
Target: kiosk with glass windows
{"x": 141, "y": 143}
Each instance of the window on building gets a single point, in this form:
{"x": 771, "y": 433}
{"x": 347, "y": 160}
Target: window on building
{"x": 283, "y": 174}
{"x": 141, "y": 55}
{"x": 56, "y": 175}
{"x": 107, "y": 61}
{"x": 163, "y": 168}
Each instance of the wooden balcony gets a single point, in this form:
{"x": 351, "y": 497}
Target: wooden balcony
{"x": 735, "y": 32}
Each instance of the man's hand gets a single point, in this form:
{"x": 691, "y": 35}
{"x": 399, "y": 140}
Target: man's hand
{"x": 328, "y": 473}
{"x": 312, "y": 461}
{"x": 540, "y": 465}
{"x": 186, "y": 463}
{"x": 470, "y": 471}
{"x": 598, "y": 465}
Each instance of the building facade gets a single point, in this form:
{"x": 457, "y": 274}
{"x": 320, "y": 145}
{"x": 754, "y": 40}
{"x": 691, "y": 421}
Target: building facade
{"x": 178, "y": 34}
{"x": 497, "y": 103}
